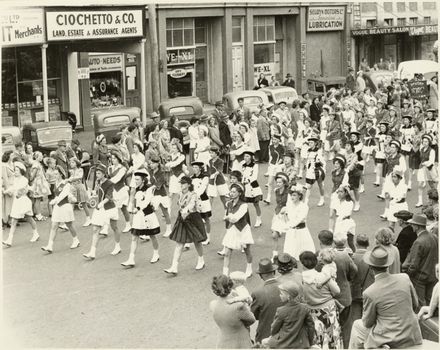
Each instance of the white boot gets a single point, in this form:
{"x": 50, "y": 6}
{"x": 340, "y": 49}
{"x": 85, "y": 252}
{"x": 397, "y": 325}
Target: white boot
{"x": 409, "y": 185}
{"x": 104, "y": 230}
{"x": 226, "y": 271}
{"x": 208, "y": 235}
{"x": 127, "y": 228}
{"x": 248, "y": 270}
{"x": 75, "y": 243}
{"x": 91, "y": 254}
{"x": 258, "y": 222}
{"x": 222, "y": 252}
{"x": 168, "y": 231}
{"x": 63, "y": 226}
{"x": 116, "y": 250}
{"x": 173, "y": 269}
{"x": 361, "y": 188}
{"x": 419, "y": 202}
{"x": 49, "y": 247}
{"x": 200, "y": 263}
{"x": 155, "y": 257}
{"x": 88, "y": 222}
{"x": 187, "y": 246}
{"x": 35, "y": 236}
{"x": 321, "y": 201}
{"x": 268, "y": 198}
{"x": 274, "y": 254}
{"x": 357, "y": 206}
{"x": 130, "y": 262}
{"x": 8, "y": 242}
{"x": 385, "y": 214}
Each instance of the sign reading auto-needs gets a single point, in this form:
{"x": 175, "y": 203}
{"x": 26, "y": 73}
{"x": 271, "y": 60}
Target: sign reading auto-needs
{"x": 93, "y": 24}
{"x": 325, "y": 19}
{"x": 22, "y": 27}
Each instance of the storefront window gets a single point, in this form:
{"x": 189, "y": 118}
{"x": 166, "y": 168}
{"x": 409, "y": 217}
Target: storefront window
{"x": 106, "y": 89}
{"x": 9, "y": 89}
{"x": 236, "y": 29}
{"x": 264, "y": 28}
{"x": 180, "y": 85}
{"x": 200, "y": 31}
{"x": 264, "y": 53}
{"x": 180, "y": 32}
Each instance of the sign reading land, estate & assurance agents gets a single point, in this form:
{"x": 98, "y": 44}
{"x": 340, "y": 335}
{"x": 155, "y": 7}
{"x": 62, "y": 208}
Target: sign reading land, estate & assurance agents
{"x": 93, "y": 24}
{"x": 325, "y": 19}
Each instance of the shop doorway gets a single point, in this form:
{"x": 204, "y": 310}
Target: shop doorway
{"x": 237, "y": 67}
{"x": 132, "y": 71}
{"x": 201, "y": 70}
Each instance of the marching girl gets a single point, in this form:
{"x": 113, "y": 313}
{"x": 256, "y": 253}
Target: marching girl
{"x": 238, "y": 230}
{"x": 323, "y": 127}
{"x": 315, "y": 169}
{"x": 145, "y": 222}
{"x": 432, "y": 126}
{"x": 105, "y": 212}
{"x": 333, "y": 136}
{"x": 217, "y": 184}
{"x": 62, "y": 208}
{"x": 306, "y": 134}
{"x": 237, "y": 151}
{"x": 276, "y": 152}
{"x": 121, "y": 196}
{"x": 176, "y": 165}
{"x": 78, "y": 187}
{"x": 369, "y": 140}
{"x": 345, "y": 227}
{"x": 203, "y": 144}
{"x": 189, "y": 226}
{"x": 299, "y": 141}
{"x": 396, "y": 195}
{"x": 279, "y": 220}
{"x": 379, "y": 157}
{"x": 253, "y": 193}
{"x": 407, "y": 134}
{"x": 288, "y": 166}
{"x": 339, "y": 178}
{"x": 137, "y": 162}
{"x": 354, "y": 173}
{"x": 355, "y": 137}
{"x": 428, "y": 171}
{"x": 21, "y": 204}
{"x": 298, "y": 238}
{"x": 161, "y": 199}
{"x": 200, "y": 182}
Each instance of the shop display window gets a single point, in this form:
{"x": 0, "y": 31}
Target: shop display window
{"x": 264, "y": 53}
{"x": 106, "y": 89}
{"x": 182, "y": 86}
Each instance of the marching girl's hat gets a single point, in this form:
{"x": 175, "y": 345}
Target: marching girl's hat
{"x": 433, "y": 110}
{"x": 200, "y": 164}
{"x": 428, "y": 137}
{"x": 214, "y": 149}
{"x": 396, "y": 143}
{"x": 341, "y": 159}
{"x": 282, "y": 176}
{"x": 20, "y": 165}
{"x": 155, "y": 159}
{"x": 313, "y": 138}
{"x": 185, "y": 180}
{"x": 357, "y": 133}
{"x": 238, "y": 186}
{"x": 118, "y": 155}
{"x": 252, "y": 154}
{"x": 245, "y": 125}
{"x": 102, "y": 168}
{"x": 408, "y": 116}
{"x": 141, "y": 172}
{"x": 276, "y": 136}
{"x": 289, "y": 154}
{"x": 237, "y": 174}
{"x": 397, "y": 172}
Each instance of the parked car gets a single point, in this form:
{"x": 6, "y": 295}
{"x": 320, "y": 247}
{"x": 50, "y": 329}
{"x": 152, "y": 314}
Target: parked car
{"x": 374, "y": 78}
{"x": 321, "y": 85}
{"x": 45, "y": 136}
{"x": 277, "y": 94}
{"x": 251, "y": 99}
{"x": 108, "y": 121}
{"x": 407, "y": 69}
{"x": 11, "y": 135}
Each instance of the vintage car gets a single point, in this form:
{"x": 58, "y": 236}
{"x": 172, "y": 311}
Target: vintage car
{"x": 108, "y": 121}
{"x": 277, "y": 94}
{"x": 45, "y": 136}
{"x": 373, "y": 79}
{"x": 11, "y": 135}
{"x": 407, "y": 69}
{"x": 318, "y": 86}
{"x": 251, "y": 98}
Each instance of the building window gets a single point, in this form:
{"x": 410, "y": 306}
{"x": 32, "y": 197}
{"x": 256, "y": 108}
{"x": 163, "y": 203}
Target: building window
{"x": 400, "y": 7}
{"x": 180, "y": 32}
{"x": 264, "y": 53}
{"x": 264, "y": 28}
{"x": 388, "y": 22}
{"x": 413, "y": 6}
{"x": 426, "y": 20}
{"x": 200, "y": 31}
{"x": 401, "y": 21}
{"x": 388, "y": 6}
{"x": 371, "y": 23}
{"x": 429, "y": 5}
{"x": 368, "y": 7}
{"x": 413, "y": 21}
{"x": 236, "y": 29}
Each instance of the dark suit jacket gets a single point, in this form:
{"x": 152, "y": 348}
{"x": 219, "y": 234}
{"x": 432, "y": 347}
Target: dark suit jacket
{"x": 265, "y": 301}
{"x": 350, "y": 82}
{"x": 346, "y": 272}
{"x": 405, "y": 241}
{"x": 290, "y": 83}
{"x": 225, "y": 133}
{"x": 364, "y": 277}
{"x": 62, "y": 160}
{"x": 421, "y": 260}
{"x": 293, "y": 327}
{"x": 315, "y": 112}
{"x": 175, "y": 133}
{"x": 389, "y": 305}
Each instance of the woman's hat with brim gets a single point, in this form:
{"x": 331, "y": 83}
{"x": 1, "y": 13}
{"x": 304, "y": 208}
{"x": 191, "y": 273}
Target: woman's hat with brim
{"x": 238, "y": 186}
{"x": 197, "y": 163}
{"x": 214, "y": 149}
{"x": 244, "y": 125}
{"x": 282, "y": 176}
{"x": 404, "y": 215}
{"x": 341, "y": 159}
{"x": 265, "y": 266}
{"x": 289, "y": 154}
{"x": 155, "y": 159}
{"x": 396, "y": 143}
{"x": 433, "y": 110}
{"x": 397, "y": 172}
{"x": 99, "y": 138}
{"x": 237, "y": 174}
{"x": 357, "y": 133}
{"x": 77, "y": 161}
{"x": 313, "y": 138}
{"x": 276, "y": 136}
{"x": 378, "y": 257}
{"x": 418, "y": 219}
{"x": 252, "y": 154}
{"x": 282, "y": 102}
{"x": 204, "y": 118}
{"x": 185, "y": 180}
{"x": 428, "y": 137}
{"x": 118, "y": 155}
{"x": 407, "y": 116}
{"x": 141, "y": 172}
{"x": 20, "y": 165}
{"x": 384, "y": 123}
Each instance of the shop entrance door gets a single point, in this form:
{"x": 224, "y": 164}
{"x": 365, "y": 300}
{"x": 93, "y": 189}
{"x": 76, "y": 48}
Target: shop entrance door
{"x": 132, "y": 96}
{"x": 237, "y": 67}
{"x": 201, "y": 74}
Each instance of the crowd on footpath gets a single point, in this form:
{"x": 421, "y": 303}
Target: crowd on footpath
{"x": 341, "y": 294}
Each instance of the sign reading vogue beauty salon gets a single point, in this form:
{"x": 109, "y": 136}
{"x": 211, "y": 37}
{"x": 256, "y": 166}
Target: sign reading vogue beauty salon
{"x": 22, "y": 27}
{"x": 325, "y": 19}
{"x": 93, "y": 24}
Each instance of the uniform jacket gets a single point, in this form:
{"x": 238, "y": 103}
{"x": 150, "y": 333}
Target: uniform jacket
{"x": 389, "y": 305}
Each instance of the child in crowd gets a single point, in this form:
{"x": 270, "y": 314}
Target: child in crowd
{"x": 51, "y": 179}
{"x": 239, "y": 292}
{"x": 326, "y": 257}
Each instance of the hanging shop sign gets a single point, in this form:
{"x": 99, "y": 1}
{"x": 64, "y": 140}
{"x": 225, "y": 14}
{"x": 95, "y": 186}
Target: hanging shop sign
{"x": 105, "y": 63}
{"x": 178, "y": 73}
{"x": 22, "y": 27}
{"x": 83, "y": 73}
{"x": 180, "y": 56}
{"x": 325, "y": 19}
{"x": 94, "y": 24}
{"x": 411, "y": 30}
{"x": 418, "y": 89}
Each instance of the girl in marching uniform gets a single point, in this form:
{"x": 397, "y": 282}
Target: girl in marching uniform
{"x": 189, "y": 226}
{"x": 339, "y": 178}
{"x": 379, "y": 157}
{"x": 121, "y": 196}
{"x": 244, "y": 130}
{"x": 217, "y": 184}
{"x": 288, "y": 166}
{"x": 238, "y": 230}
{"x": 432, "y": 129}
{"x": 253, "y": 193}
{"x": 323, "y": 127}
{"x": 200, "y": 182}
{"x": 396, "y": 195}
{"x": 355, "y": 138}
{"x": 428, "y": 171}
{"x": 137, "y": 162}
{"x": 161, "y": 199}
{"x": 62, "y": 209}
{"x": 298, "y": 238}
{"x": 76, "y": 181}
{"x": 145, "y": 222}
{"x": 237, "y": 151}
{"x": 315, "y": 169}
{"x": 176, "y": 165}
{"x": 407, "y": 134}
{"x": 203, "y": 144}
{"x": 369, "y": 140}
{"x": 105, "y": 212}
{"x": 354, "y": 170}
{"x": 345, "y": 227}
{"x": 306, "y": 134}
{"x": 21, "y": 204}
{"x": 279, "y": 220}
{"x": 299, "y": 141}
{"x": 276, "y": 152}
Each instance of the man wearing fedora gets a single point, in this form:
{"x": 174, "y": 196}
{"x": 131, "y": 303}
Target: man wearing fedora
{"x": 150, "y": 128}
{"x": 218, "y": 111}
{"x": 289, "y": 81}
{"x": 389, "y": 308}
{"x": 421, "y": 260}
{"x": 266, "y": 299}
{"x": 407, "y": 236}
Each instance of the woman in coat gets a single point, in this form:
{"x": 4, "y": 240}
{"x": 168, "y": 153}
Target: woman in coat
{"x": 233, "y": 319}
{"x": 8, "y": 174}
{"x": 315, "y": 110}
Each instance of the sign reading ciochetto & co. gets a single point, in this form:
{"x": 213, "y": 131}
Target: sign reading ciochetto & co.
{"x": 86, "y": 24}
{"x": 325, "y": 19}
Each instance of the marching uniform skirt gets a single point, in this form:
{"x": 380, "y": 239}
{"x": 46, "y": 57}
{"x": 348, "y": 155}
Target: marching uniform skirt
{"x": 21, "y": 207}
{"x": 334, "y": 200}
{"x": 414, "y": 160}
{"x": 298, "y": 240}
{"x": 343, "y": 227}
{"x": 80, "y": 192}
{"x": 217, "y": 190}
{"x": 100, "y": 217}
{"x": 121, "y": 197}
{"x": 423, "y": 174}
{"x": 273, "y": 169}
{"x": 204, "y": 208}
{"x": 175, "y": 186}
{"x": 189, "y": 230}
{"x": 280, "y": 223}
{"x": 394, "y": 208}
{"x": 253, "y": 192}
{"x": 63, "y": 213}
{"x": 235, "y": 239}
{"x": 145, "y": 225}
{"x": 158, "y": 200}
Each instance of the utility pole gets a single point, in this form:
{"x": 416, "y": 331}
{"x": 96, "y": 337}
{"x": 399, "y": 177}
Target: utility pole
{"x": 155, "y": 84}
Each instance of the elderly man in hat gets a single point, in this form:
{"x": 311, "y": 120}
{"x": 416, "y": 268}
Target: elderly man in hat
{"x": 407, "y": 236}
{"x": 60, "y": 156}
{"x": 150, "y": 128}
{"x": 218, "y": 111}
{"x": 421, "y": 260}
{"x": 390, "y": 303}
{"x": 289, "y": 81}
{"x": 266, "y": 299}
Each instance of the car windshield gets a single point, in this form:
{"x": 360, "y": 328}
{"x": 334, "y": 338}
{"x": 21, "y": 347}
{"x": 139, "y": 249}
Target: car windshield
{"x": 319, "y": 87}
{"x": 252, "y": 100}
{"x": 7, "y": 139}
{"x": 336, "y": 86}
{"x": 381, "y": 78}
{"x": 284, "y": 96}
{"x": 116, "y": 120}
{"x": 55, "y": 134}
{"x": 181, "y": 110}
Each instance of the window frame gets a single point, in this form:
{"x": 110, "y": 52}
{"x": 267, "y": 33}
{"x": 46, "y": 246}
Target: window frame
{"x": 171, "y": 28}
{"x": 257, "y": 23}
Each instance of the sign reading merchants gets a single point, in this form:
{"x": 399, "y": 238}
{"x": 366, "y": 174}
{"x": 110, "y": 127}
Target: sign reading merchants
{"x": 93, "y": 24}
{"x": 22, "y": 27}
{"x": 325, "y": 19}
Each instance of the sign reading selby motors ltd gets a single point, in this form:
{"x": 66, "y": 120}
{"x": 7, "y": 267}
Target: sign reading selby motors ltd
{"x": 22, "y": 27}
{"x": 325, "y": 19}
{"x": 93, "y": 24}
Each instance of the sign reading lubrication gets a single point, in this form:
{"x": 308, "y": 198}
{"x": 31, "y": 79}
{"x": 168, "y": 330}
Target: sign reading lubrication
{"x": 325, "y": 19}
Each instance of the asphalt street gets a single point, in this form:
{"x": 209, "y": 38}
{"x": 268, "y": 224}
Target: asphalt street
{"x": 63, "y": 301}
